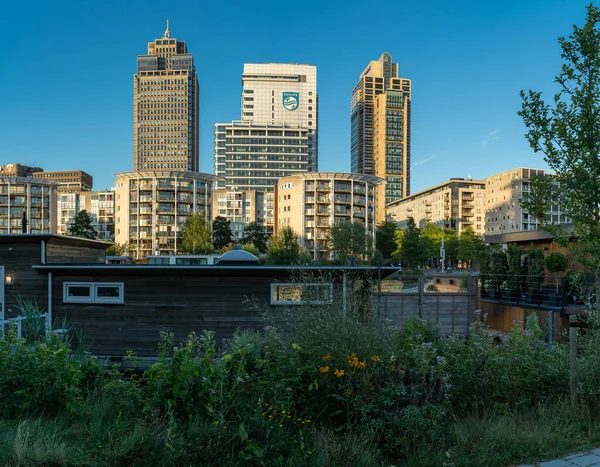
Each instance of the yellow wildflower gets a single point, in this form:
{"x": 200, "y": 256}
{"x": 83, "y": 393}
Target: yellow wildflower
{"x": 326, "y": 357}
{"x": 351, "y": 355}
{"x": 361, "y": 364}
{"x": 376, "y": 358}
{"x": 347, "y": 392}
{"x": 339, "y": 373}
{"x": 323, "y": 369}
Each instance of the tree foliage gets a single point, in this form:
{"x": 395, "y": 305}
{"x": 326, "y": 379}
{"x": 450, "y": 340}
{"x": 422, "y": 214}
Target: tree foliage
{"x": 350, "y": 239}
{"x": 412, "y": 251}
{"x": 196, "y": 236}
{"x": 120, "y": 249}
{"x": 384, "y": 239}
{"x": 568, "y": 134}
{"x": 431, "y": 237}
{"x": 470, "y": 246}
{"x": 221, "y": 232}
{"x": 81, "y": 226}
{"x": 284, "y": 247}
{"x": 255, "y": 233}
{"x": 556, "y": 262}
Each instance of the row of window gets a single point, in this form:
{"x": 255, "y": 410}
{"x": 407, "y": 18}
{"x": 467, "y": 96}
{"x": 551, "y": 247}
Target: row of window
{"x": 280, "y": 294}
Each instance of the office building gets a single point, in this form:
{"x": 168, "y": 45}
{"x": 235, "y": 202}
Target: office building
{"x": 18, "y": 170}
{"x": 311, "y": 203}
{"x": 283, "y": 93}
{"x": 380, "y": 128}
{"x": 504, "y": 213}
{"x": 152, "y": 207}
{"x": 166, "y": 108}
{"x": 256, "y": 155}
{"x": 69, "y": 181}
{"x": 28, "y": 199}
{"x": 244, "y": 207}
{"x": 455, "y": 204}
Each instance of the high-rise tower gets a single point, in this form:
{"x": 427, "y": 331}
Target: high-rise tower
{"x": 166, "y": 108}
{"x": 380, "y": 129}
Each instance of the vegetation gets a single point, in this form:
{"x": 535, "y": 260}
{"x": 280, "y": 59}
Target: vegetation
{"x": 120, "y": 249}
{"x": 412, "y": 251}
{"x": 567, "y": 134}
{"x": 255, "y": 234}
{"x": 196, "y": 236}
{"x": 334, "y": 389}
{"x": 431, "y": 237}
{"x": 349, "y": 239}
{"x": 384, "y": 239}
{"x": 222, "y": 235}
{"x": 470, "y": 246}
{"x": 81, "y": 226}
{"x": 284, "y": 247}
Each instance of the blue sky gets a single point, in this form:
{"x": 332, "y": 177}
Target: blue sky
{"x": 66, "y": 71}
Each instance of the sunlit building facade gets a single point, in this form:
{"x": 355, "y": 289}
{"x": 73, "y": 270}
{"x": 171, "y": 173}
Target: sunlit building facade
{"x": 166, "y": 108}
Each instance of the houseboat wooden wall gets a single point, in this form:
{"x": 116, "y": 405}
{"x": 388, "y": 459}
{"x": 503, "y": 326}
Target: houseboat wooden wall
{"x": 157, "y": 298}
{"x": 27, "y": 284}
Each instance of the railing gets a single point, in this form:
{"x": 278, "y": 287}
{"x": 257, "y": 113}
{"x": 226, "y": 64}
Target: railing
{"x": 19, "y": 322}
{"x": 544, "y": 292}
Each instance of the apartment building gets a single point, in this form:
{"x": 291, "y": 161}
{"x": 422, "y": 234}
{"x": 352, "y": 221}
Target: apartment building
{"x": 455, "y": 204}
{"x": 152, "y": 207}
{"x": 100, "y": 205}
{"x": 504, "y": 213}
{"x": 27, "y": 204}
{"x": 311, "y": 203}
{"x": 243, "y": 207}
{"x": 380, "y": 128}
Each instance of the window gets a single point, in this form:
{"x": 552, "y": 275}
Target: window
{"x": 301, "y": 294}
{"x": 93, "y": 292}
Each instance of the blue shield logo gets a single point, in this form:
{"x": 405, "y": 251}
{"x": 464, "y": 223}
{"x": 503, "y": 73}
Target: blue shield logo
{"x": 290, "y": 100}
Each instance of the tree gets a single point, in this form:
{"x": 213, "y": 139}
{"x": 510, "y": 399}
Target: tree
{"x": 568, "y": 134}
{"x": 284, "y": 247}
{"x": 556, "y": 262}
{"x": 81, "y": 226}
{"x": 255, "y": 233}
{"x": 196, "y": 236}
{"x": 251, "y": 248}
{"x": 432, "y": 234}
{"x": 221, "y": 232}
{"x": 350, "y": 239}
{"x": 470, "y": 246}
{"x": 412, "y": 251}
{"x": 118, "y": 249}
{"x": 384, "y": 238}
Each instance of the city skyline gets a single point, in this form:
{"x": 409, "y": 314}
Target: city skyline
{"x": 466, "y": 76}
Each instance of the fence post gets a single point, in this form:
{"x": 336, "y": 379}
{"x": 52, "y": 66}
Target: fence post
{"x": 550, "y": 328}
{"x": 573, "y": 361}
{"x": 421, "y": 287}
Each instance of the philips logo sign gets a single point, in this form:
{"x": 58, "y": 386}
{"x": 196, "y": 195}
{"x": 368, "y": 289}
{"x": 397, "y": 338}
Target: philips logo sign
{"x": 290, "y": 100}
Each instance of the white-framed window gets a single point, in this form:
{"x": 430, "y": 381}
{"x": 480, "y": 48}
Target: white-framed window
{"x": 93, "y": 292}
{"x": 301, "y": 294}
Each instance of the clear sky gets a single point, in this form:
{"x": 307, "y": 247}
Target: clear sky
{"x": 66, "y": 73}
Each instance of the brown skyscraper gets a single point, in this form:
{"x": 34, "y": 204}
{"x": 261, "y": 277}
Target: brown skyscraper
{"x": 380, "y": 129}
{"x": 166, "y": 108}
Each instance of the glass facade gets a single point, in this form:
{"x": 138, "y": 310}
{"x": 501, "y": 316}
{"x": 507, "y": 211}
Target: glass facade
{"x": 36, "y": 199}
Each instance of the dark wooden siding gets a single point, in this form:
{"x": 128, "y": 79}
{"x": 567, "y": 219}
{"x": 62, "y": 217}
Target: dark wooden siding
{"x": 70, "y": 254}
{"x": 29, "y": 284}
{"x": 178, "y": 303}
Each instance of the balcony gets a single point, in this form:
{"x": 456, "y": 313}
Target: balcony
{"x": 323, "y": 212}
{"x": 323, "y": 187}
{"x": 343, "y": 199}
{"x": 323, "y": 199}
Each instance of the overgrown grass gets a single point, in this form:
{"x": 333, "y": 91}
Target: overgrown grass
{"x": 317, "y": 387}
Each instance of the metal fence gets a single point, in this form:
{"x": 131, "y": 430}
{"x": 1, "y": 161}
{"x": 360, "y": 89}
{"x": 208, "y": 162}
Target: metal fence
{"x": 446, "y": 300}
{"x": 543, "y": 292}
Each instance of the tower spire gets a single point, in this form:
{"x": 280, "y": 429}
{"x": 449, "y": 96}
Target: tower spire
{"x": 167, "y": 31}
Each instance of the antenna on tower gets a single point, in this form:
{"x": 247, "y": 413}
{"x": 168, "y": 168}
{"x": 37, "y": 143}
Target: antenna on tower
{"x": 167, "y": 31}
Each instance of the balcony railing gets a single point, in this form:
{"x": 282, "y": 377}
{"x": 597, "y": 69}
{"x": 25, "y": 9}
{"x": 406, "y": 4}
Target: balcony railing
{"x": 544, "y": 292}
